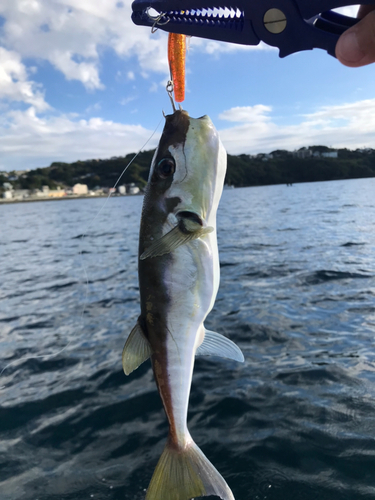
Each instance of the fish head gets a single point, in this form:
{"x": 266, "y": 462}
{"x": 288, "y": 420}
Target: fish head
{"x": 188, "y": 169}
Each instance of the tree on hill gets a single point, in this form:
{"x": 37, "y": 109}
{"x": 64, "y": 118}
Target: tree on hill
{"x": 243, "y": 170}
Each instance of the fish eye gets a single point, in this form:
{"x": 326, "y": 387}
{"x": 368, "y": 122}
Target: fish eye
{"x": 166, "y": 167}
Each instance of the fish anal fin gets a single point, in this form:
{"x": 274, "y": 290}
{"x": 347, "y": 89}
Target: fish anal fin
{"x": 136, "y": 350}
{"x": 186, "y": 473}
{"x": 182, "y": 233}
{"x": 215, "y": 344}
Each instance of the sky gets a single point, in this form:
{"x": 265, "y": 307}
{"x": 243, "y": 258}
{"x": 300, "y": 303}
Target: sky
{"x": 78, "y": 80}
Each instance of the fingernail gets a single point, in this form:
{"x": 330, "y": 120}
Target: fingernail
{"x": 348, "y": 48}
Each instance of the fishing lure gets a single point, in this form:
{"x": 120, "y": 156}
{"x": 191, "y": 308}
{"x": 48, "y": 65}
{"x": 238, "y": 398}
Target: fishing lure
{"x": 176, "y": 59}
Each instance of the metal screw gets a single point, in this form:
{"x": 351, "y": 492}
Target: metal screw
{"x": 274, "y": 21}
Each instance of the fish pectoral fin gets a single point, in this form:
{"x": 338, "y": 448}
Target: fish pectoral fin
{"x": 187, "y": 229}
{"x": 215, "y": 344}
{"x": 136, "y": 350}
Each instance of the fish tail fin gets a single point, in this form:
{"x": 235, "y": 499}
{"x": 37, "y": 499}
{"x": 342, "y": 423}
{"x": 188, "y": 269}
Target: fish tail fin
{"x": 186, "y": 473}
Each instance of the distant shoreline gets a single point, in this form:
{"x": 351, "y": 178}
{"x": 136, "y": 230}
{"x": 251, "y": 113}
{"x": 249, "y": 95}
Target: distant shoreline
{"x": 82, "y": 197}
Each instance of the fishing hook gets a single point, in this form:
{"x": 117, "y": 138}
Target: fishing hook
{"x": 169, "y": 89}
{"x": 157, "y": 20}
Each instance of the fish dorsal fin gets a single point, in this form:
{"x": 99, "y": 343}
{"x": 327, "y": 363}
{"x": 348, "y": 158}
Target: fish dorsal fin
{"x": 215, "y": 344}
{"x": 136, "y": 350}
{"x": 186, "y": 230}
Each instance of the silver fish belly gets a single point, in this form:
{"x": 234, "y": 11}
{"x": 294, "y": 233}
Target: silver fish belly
{"x": 179, "y": 278}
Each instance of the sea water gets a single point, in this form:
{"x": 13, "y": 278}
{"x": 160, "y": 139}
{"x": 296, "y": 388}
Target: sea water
{"x": 297, "y": 294}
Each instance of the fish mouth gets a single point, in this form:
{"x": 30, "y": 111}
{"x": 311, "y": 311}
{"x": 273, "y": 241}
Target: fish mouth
{"x": 223, "y": 22}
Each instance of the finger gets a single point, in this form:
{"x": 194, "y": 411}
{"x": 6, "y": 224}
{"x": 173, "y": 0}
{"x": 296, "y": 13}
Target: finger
{"x": 364, "y": 10}
{"x": 356, "y": 47}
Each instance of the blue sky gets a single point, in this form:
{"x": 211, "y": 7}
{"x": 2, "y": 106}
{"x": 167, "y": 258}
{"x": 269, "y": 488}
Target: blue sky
{"x": 78, "y": 80}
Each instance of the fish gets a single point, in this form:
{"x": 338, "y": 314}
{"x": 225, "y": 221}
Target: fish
{"x": 176, "y": 60}
{"x": 179, "y": 273}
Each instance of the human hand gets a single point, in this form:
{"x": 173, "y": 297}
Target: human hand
{"x": 356, "y": 47}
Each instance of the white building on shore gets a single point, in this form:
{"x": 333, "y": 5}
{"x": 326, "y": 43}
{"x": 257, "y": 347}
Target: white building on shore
{"x": 80, "y": 189}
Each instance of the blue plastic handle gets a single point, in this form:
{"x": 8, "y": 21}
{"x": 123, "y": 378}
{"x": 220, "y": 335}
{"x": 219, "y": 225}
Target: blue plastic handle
{"x": 302, "y": 25}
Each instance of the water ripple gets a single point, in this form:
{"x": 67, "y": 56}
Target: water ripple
{"x": 296, "y": 420}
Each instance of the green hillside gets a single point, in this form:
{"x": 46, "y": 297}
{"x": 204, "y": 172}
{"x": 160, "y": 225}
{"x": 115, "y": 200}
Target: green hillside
{"x": 279, "y": 167}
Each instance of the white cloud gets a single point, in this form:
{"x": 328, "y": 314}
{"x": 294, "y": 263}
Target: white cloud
{"x": 215, "y": 48}
{"x": 85, "y": 72}
{"x": 349, "y": 125}
{"x": 73, "y": 36}
{"x": 125, "y": 100}
{"x": 71, "y": 33}
{"x": 246, "y": 114}
{"x": 154, "y": 87}
{"x": 14, "y": 84}
{"x": 93, "y": 108}
{"x": 28, "y": 141}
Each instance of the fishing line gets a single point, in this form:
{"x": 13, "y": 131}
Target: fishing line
{"x": 100, "y": 211}
{"x": 49, "y": 356}
{"x": 122, "y": 173}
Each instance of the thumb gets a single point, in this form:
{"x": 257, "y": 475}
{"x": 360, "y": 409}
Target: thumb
{"x": 356, "y": 47}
